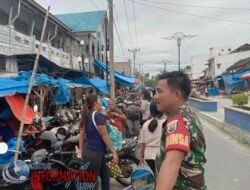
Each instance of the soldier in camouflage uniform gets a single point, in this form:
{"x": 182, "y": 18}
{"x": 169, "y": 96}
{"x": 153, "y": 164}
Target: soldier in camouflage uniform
{"x": 182, "y": 168}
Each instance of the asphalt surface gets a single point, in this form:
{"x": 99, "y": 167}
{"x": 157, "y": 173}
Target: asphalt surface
{"x": 228, "y": 166}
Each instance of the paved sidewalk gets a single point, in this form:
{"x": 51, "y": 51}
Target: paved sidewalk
{"x": 221, "y": 103}
{"x": 216, "y": 119}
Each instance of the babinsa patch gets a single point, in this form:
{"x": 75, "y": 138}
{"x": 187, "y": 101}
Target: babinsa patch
{"x": 172, "y": 126}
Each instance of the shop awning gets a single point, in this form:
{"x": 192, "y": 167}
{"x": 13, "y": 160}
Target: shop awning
{"x": 10, "y": 87}
{"x": 16, "y": 103}
{"x": 119, "y": 77}
{"x": 95, "y": 82}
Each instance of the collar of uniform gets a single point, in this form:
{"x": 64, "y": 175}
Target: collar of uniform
{"x": 179, "y": 110}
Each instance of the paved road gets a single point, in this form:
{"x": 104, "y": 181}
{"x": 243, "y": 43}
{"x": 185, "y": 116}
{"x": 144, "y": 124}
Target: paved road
{"x": 228, "y": 166}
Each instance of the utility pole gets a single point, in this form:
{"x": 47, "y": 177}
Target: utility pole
{"x": 111, "y": 50}
{"x": 165, "y": 65}
{"x": 134, "y": 51}
{"x": 165, "y": 62}
{"x": 139, "y": 71}
{"x": 106, "y": 51}
{"x": 179, "y": 36}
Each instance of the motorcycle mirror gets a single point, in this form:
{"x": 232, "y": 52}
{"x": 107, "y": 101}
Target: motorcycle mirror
{"x": 35, "y": 108}
{"x": 3, "y": 147}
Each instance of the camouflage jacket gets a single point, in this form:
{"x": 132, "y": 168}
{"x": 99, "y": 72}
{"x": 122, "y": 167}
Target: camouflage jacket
{"x": 184, "y": 132}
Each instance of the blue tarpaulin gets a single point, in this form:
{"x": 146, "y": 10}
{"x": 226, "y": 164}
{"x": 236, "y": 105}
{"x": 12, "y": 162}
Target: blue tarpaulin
{"x": 19, "y": 84}
{"x": 119, "y": 77}
{"x": 9, "y": 86}
{"x": 233, "y": 82}
{"x": 62, "y": 94}
{"x": 213, "y": 92}
{"x": 9, "y": 155}
{"x": 95, "y": 82}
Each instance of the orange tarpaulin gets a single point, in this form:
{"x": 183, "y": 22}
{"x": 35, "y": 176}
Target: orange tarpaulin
{"x": 245, "y": 76}
{"x": 16, "y": 103}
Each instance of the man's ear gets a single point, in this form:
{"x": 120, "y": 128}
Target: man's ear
{"x": 178, "y": 94}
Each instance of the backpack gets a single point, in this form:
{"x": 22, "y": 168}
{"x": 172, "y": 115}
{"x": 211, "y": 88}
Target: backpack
{"x": 132, "y": 112}
{"x": 114, "y": 134}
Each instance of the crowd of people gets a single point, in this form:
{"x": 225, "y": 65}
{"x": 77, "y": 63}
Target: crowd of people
{"x": 165, "y": 125}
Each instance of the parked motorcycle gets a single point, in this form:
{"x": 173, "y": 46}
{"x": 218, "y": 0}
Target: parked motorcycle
{"x": 51, "y": 142}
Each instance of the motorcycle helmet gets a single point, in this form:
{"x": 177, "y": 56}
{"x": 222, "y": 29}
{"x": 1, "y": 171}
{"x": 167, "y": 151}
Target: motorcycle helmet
{"x": 49, "y": 139}
{"x": 39, "y": 156}
{"x": 61, "y": 133}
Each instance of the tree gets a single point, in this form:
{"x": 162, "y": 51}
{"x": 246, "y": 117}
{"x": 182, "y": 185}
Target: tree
{"x": 150, "y": 83}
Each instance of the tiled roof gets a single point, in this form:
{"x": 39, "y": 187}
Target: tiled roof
{"x": 82, "y": 22}
{"x": 241, "y": 65}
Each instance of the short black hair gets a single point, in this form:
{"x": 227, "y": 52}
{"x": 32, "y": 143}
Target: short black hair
{"x": 177, "y": 80}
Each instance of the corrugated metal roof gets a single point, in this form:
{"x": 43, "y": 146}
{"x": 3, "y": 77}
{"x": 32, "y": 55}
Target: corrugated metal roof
{"x": 84, "y": 21}
{"x": 245, "y": 47}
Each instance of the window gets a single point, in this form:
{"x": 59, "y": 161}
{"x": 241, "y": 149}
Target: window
{"x": 222, "y": 49}
{"x": 218, "y": 65}
{"x": 229, "y": 49}
{"x": 26, "y": 42}
{"x": 17, "y": 38}
{"x": 219, "y": 54}
{"x": 44, "y": 48}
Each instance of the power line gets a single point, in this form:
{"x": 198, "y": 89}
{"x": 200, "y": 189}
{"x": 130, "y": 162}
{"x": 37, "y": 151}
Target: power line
{"x": 119, "y": 40}
{"x": 93, "y": 2}
{"x": 193, "y": 15}
{"x": 128, "y": 22}
{"x": 198, "y": 6}
{"x": 120, "y": 31}
{"x": 151, "y": 62}
{"x": 136, "y": 36}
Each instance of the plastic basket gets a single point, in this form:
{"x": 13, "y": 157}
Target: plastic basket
{"x": 142, "y": 179}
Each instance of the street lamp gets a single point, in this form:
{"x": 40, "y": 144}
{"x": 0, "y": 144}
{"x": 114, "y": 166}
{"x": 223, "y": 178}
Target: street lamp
{"x": 79, "y": 59}
{"x": 82, "y": 56}
{"x": 179, "y": 36}
{"x": 86, "y": 62}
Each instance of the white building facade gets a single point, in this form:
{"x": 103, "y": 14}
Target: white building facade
{"x": 198, "y": 65}
{"x": 214, "y": 64}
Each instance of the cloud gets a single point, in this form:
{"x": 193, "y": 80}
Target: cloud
{"x": 153, "y": 24}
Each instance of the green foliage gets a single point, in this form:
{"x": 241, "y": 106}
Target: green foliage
{"x": 150, "y": 83}
{"x": 240, "y": 99}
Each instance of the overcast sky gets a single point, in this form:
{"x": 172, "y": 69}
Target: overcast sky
{"x": 153, "y": 23}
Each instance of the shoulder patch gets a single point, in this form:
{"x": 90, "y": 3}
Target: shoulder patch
{"x": 172, "y": 126}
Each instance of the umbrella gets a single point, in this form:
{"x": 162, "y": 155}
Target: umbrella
{"x": 245, "y": 76}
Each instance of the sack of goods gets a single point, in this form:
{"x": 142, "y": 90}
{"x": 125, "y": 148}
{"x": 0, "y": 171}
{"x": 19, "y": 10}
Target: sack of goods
{"x": 114, "y": 169}
{"x": 115, "y": 136}
{"x": 143, "y": 179}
